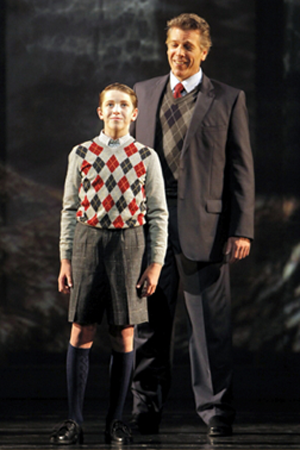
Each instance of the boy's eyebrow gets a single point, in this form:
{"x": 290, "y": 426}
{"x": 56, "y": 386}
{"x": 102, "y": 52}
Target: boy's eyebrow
{"x": 121, "y": 101}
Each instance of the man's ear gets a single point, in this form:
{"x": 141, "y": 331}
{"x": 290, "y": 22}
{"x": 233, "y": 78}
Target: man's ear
{"x": 99, "y": 112}
{"x": 134, "y": 115}
{"x": 204, "y": 55}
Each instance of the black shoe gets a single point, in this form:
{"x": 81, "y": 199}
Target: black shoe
{"x": 67, "y": 433}
{"x": 219, "y": 427}
{"x": 224, "y": 430}
{"x": 118, "y": 433}
{"x": 147, "y": 423}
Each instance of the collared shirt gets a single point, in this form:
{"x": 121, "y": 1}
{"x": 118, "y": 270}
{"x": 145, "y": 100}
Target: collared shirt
{"x": 107, "y": 140}
{"x": 189, "y": 84}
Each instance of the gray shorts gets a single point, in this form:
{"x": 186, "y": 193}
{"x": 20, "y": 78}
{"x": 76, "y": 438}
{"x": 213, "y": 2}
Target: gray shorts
{"x": 106, "y": 266}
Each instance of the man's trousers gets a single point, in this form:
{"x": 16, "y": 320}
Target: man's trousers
{"x": 207, "y": 298}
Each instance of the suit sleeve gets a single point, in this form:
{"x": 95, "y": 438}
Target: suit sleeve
{"x": 241, "y": 172}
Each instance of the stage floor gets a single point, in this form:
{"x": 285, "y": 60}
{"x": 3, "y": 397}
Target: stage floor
{"x": 26, "y": 424}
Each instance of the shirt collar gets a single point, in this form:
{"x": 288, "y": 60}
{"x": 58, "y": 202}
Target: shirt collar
{"x": 105, "y": 139}
{"x": 189, "y": 84}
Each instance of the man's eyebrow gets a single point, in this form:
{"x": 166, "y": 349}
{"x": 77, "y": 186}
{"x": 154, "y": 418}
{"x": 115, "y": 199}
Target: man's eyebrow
{"x": 174, "y": 41}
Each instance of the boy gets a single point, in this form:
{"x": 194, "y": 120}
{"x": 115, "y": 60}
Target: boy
{"x": 112, "y": 184}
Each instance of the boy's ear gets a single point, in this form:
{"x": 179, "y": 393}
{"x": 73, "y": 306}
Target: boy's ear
{"x": 99, "y": 112}
{"x": 134, "y": 115}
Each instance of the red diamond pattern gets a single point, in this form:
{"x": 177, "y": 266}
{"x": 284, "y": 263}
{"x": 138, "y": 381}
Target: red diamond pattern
{"x": 97, "y": 183}
{"x": 112, "y": 163}
{"x": 140, "y": 219}
{"x": 130, "y": 149}
{"x": 140, "y": 169}
{"x": 79, "y": 214}
{"x": 133, "y": 207}
{"x": 108, "y": 203}
{"x": 85, "y": 203}
{"x": 118, "y": 222}
{"x": 93, "y": 221}
{"x": 96, "y": 149}
{"x": 123, "y": 184}
{"x": 85, "y": 167}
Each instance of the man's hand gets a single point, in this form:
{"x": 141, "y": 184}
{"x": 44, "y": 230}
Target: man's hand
{"x": 237, "y": 248}
{"x": 65, "y": 277}
{"x": 149, "y": 279}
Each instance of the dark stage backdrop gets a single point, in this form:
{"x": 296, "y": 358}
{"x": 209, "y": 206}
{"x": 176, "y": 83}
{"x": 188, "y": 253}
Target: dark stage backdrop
{"x": 58, "y": 55}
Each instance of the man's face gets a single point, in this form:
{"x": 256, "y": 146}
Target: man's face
{"x": 185, "y": 53}
{"x": 117, "y": 112}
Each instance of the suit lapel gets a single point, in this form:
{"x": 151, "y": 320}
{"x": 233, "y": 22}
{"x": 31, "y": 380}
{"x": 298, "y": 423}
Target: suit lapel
{"x": 203, "y": 103}
{"x": 152, "y": 106}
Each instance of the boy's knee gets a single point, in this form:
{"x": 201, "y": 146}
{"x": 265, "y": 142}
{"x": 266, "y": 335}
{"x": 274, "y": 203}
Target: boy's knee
{"x": 82, "y": 335}
{"x": 121, "y": 338}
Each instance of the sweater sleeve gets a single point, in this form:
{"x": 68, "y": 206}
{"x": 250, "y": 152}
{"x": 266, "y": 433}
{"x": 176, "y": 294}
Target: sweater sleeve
{"x": 70, "y": 205}
{"x": 157, "y": 212}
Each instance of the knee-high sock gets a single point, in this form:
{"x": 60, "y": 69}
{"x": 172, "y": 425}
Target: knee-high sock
{"x": 77, "y": 373}
{"x": 120, "y": 375}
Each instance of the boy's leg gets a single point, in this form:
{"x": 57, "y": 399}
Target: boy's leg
{"x": 77, "y": 373}
{"x": 120, "y": 376}
{"x": 81, "y": 341}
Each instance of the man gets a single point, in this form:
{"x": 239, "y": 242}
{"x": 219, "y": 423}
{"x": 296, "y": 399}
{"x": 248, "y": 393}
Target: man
{"x": 199, "y": 127}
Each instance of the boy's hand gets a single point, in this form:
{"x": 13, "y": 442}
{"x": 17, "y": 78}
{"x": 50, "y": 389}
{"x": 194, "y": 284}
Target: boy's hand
{"x": 149, "y": 279}
{"x": 65, "y": 277}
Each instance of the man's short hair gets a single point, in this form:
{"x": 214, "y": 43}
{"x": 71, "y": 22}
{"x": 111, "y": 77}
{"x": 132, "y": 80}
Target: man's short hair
{"x": 189, "y": 21}
{"x": 122, "y": 88}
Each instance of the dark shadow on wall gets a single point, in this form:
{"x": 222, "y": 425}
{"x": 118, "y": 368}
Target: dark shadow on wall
{"x": 2, "y": 142}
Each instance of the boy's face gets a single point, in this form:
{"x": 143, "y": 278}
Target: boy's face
{"x": 117, "y": 113}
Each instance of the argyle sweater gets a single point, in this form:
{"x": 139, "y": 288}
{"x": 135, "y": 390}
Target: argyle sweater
{"x": 173, "y": 121}
{"x": 114, "y": 188}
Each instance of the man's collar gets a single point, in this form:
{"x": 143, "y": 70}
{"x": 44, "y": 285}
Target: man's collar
{"x": 189, "y": 84}
{"x": 106, "y": 139}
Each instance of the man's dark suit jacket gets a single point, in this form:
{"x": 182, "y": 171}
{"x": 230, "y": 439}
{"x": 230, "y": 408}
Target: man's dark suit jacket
{"x": 216, "y": 180}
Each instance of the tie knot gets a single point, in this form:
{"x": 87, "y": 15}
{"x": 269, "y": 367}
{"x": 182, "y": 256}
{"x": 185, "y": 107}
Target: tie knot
{"x": 178, "y": 90}
{"x": 113, "y": 143}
